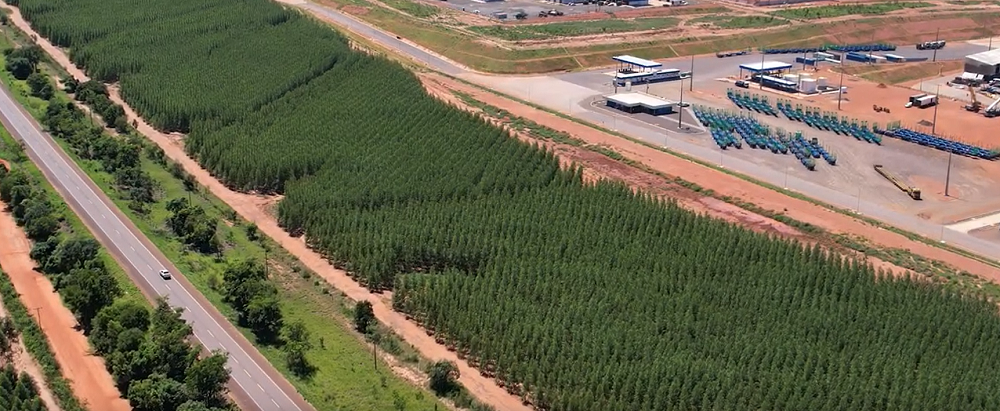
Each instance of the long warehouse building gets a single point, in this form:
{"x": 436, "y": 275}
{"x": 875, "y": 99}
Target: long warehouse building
{"x": 986, "y": 63}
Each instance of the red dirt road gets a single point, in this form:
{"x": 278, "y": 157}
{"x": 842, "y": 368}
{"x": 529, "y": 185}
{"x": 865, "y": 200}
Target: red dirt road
{"x": 90, "y": 381}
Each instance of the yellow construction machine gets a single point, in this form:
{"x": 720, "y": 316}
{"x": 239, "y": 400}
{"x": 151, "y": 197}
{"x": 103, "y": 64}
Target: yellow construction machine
{"x": 976, "y": 105}
{"x": 913, "y": 192}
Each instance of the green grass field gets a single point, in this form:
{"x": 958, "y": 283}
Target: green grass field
{"x": 740, "y": 22}
{"x": 414, "y": 8}
{"x": 825, "y": 12}
{"x": 573, "y": 28}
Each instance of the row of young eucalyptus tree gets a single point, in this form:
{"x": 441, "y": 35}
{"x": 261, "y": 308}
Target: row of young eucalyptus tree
{"x": 574, "y": 296}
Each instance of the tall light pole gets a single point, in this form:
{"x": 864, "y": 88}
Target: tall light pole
{"x": 680, "y": 106}
{"x": 692, "y": 74}
{"x": 937, "y": 97}
{"x": 840, "y": 90}
{"x": 937, "y": 37}
{"x": 947, "y": 176}
{"x": 760, "y": 75}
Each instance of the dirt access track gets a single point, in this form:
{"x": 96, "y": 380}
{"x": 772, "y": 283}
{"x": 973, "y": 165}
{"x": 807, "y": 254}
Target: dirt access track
{"x": 86, "y": 373}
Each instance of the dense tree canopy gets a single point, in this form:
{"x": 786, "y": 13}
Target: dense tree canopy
{"x": 18, "y": 391}
{"x": 578, "y": 297}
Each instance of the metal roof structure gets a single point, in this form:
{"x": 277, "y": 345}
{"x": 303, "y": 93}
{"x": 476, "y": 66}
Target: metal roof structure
{"x": 780, "y": 80}
{"x": 639, "y": 99}
{"x": 635, "y": 61}
{"x": 990, "y": 58}
{"x": 765, "y": 66}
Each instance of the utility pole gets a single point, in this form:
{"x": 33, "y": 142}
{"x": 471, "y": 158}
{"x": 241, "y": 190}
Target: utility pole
{"x": 937, "y": 96}
{"x": 937, "y": 37}
{"x": 38, "y": 316}
{"x": 760, "y": 78}
{"x": 680, "y": 106}
{"x": 947, "y": 177}
{"x": 840, "y": 90}
{"x": 692, "y": 74}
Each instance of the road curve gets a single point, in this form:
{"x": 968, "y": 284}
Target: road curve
{"x": 254, "y": 383}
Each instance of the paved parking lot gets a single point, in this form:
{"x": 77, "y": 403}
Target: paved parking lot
{"x": 531, "y": 8}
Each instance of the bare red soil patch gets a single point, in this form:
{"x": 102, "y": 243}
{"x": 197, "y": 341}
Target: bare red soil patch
{"x": 86, "y": 373}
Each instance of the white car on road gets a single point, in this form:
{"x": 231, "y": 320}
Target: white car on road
{"x": 164, "y": 274}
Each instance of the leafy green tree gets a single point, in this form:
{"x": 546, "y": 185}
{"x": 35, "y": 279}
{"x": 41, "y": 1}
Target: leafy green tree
{"x": 206, "y": 379}
{"x": 14, "y": 178}
{"x": 71, "y": 253}
{"x": 197, "y": 406}
{"x": 296, "y": 345}
{"x": 253, "y": 233}
{"x": 248, "y": 291}
{"x": 87, "y": 292}
{"x": 8, "y": 338}
{"x": 70, "y": 84}
{"x": 19, "y": 67}
{"x": 443, "y": 376}
{"x": 264, "y": 317}
{"x": 156, "y": 393}
{"x": 41, "y": 228}
{"x": 192, "y": 224}
{"x": 40, "y": 85}
{"x": 364, "y": 316}
{"x": 41, "y": 251}
{"x": 32, "y": 53}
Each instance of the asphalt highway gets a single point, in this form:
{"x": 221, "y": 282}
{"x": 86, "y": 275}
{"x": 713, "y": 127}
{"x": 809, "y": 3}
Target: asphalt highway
{"x": 254, "y": 383}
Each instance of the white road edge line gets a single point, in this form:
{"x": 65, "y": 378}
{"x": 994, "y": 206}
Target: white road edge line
{"x": 62, "y": 161}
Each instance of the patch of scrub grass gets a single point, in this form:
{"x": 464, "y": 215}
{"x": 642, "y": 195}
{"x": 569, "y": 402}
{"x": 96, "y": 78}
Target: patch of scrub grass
{"x": 517, "y": 32}
{"x": 413, "y": 7}
{"x": 740, "y": 22}
{"x": 825, "y": 12}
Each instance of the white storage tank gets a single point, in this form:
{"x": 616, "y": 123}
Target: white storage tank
{"x": 808, "y": 86}
{"x": 821, "y": 82}
{"x": 791, "y": 77}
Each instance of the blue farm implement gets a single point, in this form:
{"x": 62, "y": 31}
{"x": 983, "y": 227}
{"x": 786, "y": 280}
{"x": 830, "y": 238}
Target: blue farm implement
{"x": 862, "y": 47}
{"x": 724, "y": 124}
{"x": 828, "y": 121}
{"x": 894, "y": 130}
{"x": 751, "y": 101}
